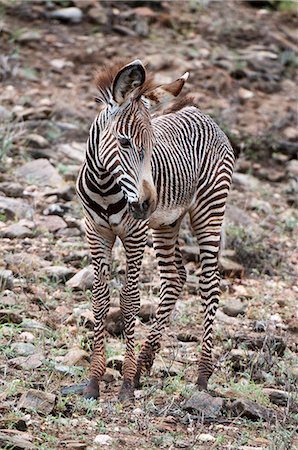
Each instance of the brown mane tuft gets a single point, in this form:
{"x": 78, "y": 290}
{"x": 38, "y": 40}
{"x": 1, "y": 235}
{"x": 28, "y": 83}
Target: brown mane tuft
{"x": 180, "y": 104}
{"x": 105, "y": 75}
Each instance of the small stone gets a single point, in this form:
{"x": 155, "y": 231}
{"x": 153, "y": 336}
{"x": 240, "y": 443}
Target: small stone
{"x": 4, "y": 113}
{"x": 252, "y": 410}
{"x": 29, "y": 36}
{"x": 15, "y": 208}
{"x": 40, "y": 172}
{"x": 73, "y": 389}
{"x": 110, "y": 375}
{"x": 230, "y": 268}
{"x": 187, "y": 337}
{"x": 261, "y": 205}
{"x": 234, "y": 308}
{"x": 60, "y": 63}
{"x": 98, "y": 14}
{"x": 291, "y": 133}
{"x": 191, "y": 253}
{"x": 57, "y": 273}
{"x": 245, "y": 94}
{"x": 82, "y": 280}
{"x": 204, "y": 437}
{"x": 114, "y": 322}
{"x": 103, "y": 439}
{"x": 7, "y": 297}
{"x": 74, "y": 151}
{"x": 294, "y": 372}
{"x": 34, "y": 325}
{"x": 51, "y": 223}
{"x": 26, "y": 336}
{"x": 9, "y": 316}
{"x": 56, "y": 209}
{"x": 23, "y": 348}
{"x": 28, "y": 362}
{"x": 36, "y": 140}
{"x": 71, "y": 14}
{"x": 75, "y": 357}
{"x": 147, "y": 312}
{"x": 6, "y": 280}
{"x": 245, "y": 181}
{"x": 204, "y": 404}
{"x": 11, "y": 189}
{"x": 40, "y": 401}
{"x": 222, "y": 317}
{"x": 277, "y": 396}
{"x": 169, "y": 370}
{"x": 260, "y": 326}
{"x": 292, "y": 168}
{"x": 16, "y": 231}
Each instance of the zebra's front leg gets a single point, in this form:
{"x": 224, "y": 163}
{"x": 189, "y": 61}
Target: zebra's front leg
{"x": 101, "y": 248}
{"x": 172, "y": 276}
{"x": 130, "y": 304}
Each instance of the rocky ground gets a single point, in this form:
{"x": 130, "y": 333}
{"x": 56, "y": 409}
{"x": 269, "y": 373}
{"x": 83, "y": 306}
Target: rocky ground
{"x": 242, "y": 66}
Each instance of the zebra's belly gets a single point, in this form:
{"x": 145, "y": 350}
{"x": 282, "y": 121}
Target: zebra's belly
{"x": 163, "y": 217}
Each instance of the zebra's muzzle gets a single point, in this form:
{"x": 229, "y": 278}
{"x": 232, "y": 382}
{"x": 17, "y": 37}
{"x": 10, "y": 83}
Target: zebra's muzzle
{"x": 140, "y": 211}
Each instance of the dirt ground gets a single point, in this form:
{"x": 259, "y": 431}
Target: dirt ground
{"x": 242, "y": 60}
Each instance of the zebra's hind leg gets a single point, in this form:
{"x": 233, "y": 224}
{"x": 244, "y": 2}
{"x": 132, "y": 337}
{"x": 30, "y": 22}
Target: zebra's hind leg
{"x": 208, "y": 235}
{"x": 172, "y": 274}
{"x": 130, "y": 304}
{"x": 101, "y": 248}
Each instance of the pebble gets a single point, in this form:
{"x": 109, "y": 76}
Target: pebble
{"x": 71, "y": 14}
{"x": 6, "y": 280}
{"x": 234, "y": 308}
{"x": 204, "y": 437}
{"x": 292, "y": 167}
{"x": 103, "y": 439}
{"x": 82, "y": 280}
{"x": 205, "y": 404}
{"x": 57, "y": 273}
{"x": 23, "y": 348}
{"x": 40, "y": 401}
{"x": 15, "y": 208}
{"x": 16, "y": 231}
{"x": 245, "y": 181}
{"x": 245, "y": 94}
{"x": 11, "y": 189}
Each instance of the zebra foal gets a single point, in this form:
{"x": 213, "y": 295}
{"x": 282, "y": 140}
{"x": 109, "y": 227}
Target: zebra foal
{"x": 144, "y": 171}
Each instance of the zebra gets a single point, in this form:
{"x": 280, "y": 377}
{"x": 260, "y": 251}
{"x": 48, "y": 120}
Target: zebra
{"x": 145, "y": 170}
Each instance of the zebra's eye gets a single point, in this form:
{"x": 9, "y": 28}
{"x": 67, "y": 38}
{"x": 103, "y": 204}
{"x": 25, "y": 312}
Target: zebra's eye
{"x": 124, "y": 142}
{"x": 142, "y": 153}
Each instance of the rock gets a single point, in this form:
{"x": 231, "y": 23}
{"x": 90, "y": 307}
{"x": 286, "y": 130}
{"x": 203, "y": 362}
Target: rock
{"x": 114, "y": 322}
{"x": 203, "y": 437}
{"x": 16, "y": 439}
{"x": 60, "y": 63}
{"x": 28, "y": 362}
{"x": 6, "y": 280}
{"x": 24, "y": 263}
{"x": 16, "y": 231}
{"x": 222, "y": 317}
{"x": 169, "y": 370}
{"x": 260, "y": 326}
{"x": 261, "y": 205}
{"x": 271, "y": 174}
{"x": 252, "y": 410}
{"x": 277, "y": 396}
{"x": 230, "y": 268}
{"x": 147, "y": 312}
{"x": 273, "y": 344}
{"x": 74, "y": 389}
{"x": 26, "y": 336}
{"x": 98, "y": 14}
{"x": 75, "y": 357}
{"x": 234, "y": 308}
{"x": 23, "y": 348}
{"x": 103, "y": 439}
{"x": 28, "y": 36}
{"x": 36, "y": 140}
{"x": 187, "y": 337}
{"x": 7, "y": 297}
{"x": 56, "y": 209}
{"x": 40, "y": 172}
{"x": 292, "y": 168}
{"x": 51, "y": 223}
{"x": 294, "y": 373}
{"x": 291, "y": 134}
{"x": 4, "y": 113}
{"x": 34, "y": 325}
{"x": 15, "y": 208}
{"x": 9, "y": 316}
{"x": 74, "y": 152}
{"x": 40, "y": 401}
{"x": 115, "y": 362}
{"x": 237, "y": 217}
{"x": 57, "y": 273}
{"x": 245, "y": 94}
{"x": 203, "y": 403}
{"x": 11, "y": 189}
{"x": 245, "y": 181}
{"x": 82, "y": 280}
{"x": 191, "y": 253}
{"x": 71, "y": 14}
{"x": 110, "y": 375}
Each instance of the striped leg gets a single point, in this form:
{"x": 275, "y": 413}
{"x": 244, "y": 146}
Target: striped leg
{"x": 172, "y": 276}
{"x": 101, "y": 247}
{"x": 130, "y": 305}
{"x": 206, "y": 220}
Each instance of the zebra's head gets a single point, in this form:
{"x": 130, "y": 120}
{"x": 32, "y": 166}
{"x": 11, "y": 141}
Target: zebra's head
{"x": 126, "y": 146}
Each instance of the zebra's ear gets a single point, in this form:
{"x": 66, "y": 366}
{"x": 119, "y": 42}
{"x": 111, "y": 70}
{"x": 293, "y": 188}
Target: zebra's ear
{"x": 128, "y": 79}
{"x": 166, "y": 92}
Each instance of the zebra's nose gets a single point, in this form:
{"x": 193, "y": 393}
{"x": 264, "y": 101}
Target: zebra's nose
{"x": 139, "y": 210}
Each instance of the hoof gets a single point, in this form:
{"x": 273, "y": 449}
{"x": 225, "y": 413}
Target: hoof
{"x": 91, "y": 391}
{"x": 126, "y": 394}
